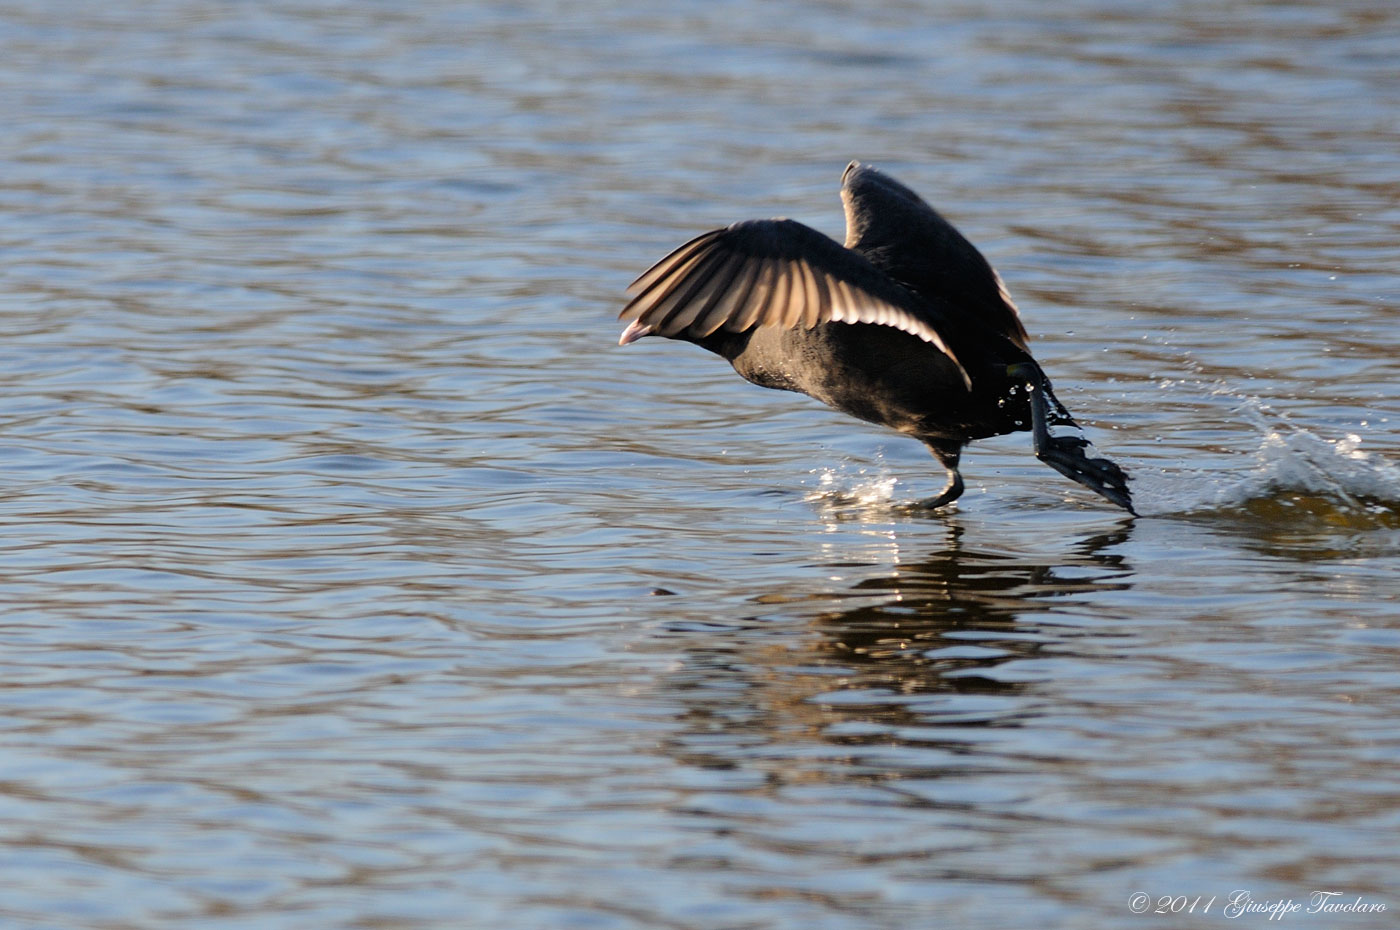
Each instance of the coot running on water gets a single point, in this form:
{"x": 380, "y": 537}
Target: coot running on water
{"x": 907, "y": 326}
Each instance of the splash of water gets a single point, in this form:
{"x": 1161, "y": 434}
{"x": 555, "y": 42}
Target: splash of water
{"x": 1296, "y": 462}
{"x": 1290, "y": 465}
{"x": 1289, "y": 462}
{"x": 853, "y": 485}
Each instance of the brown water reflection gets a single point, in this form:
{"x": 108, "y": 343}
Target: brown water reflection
{"x": 329, "y": 509}
{"x": 944, "y": 625}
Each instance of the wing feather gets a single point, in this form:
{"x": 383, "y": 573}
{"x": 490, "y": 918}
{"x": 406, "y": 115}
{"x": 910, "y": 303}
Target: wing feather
{"x": 799, "y": 310}
{"x": 822, "y": 305}
{"x": 774, "y": 274}
{"x": 782, "y": 287}
{"x": 731, "y": 301}
{"x": 664, "y": 298}
{"x": 712, "y": 288}
{"x": 764, "y": 293}
{"x": 653, "y": 275}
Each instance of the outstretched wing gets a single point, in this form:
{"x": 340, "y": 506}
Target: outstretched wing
{"x": 915, "y": 244}
{"x": 771, "y": 273}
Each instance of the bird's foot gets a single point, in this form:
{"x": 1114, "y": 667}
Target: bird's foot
{"x": 949, "y": 494}
{"x": 1065, "y": 452}
{"x": 1066, "y": 455}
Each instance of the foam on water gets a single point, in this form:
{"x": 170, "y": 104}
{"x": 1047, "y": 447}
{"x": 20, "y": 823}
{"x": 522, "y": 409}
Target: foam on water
{"x": 853, "y": 485}
{"x": 1290, "y": 461}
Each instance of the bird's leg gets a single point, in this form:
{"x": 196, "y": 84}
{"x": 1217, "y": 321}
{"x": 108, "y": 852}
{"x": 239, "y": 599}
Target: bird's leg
{"x": 1065, "y": 453}
{"x": 948, "y": 455}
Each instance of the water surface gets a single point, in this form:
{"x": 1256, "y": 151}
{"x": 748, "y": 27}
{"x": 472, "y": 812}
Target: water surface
{"x": 355, "y": 578}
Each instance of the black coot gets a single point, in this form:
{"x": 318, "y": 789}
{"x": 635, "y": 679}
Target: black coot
{"x": 907, "y": 326}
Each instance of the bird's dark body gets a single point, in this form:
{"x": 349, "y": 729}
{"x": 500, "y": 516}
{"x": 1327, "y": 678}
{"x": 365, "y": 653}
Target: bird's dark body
{"x": 883, "y": 376}
{"x": 906, "y": 326}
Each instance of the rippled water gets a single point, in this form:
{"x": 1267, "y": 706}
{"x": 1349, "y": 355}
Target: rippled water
{"x": 355, "y": 578}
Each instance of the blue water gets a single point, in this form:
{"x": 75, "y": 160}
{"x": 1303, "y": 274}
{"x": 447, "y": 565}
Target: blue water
{"x": 354, "y": 577}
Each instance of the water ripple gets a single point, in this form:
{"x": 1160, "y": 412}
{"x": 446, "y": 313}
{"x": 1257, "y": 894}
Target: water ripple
{"x": 353, "y": 577}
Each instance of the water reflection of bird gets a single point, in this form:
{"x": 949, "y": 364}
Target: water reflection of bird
{"x": 963, "y": 597}
{"x": 924, "y": 645}
{"x": 906, "y": 326}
